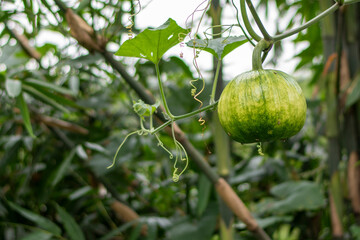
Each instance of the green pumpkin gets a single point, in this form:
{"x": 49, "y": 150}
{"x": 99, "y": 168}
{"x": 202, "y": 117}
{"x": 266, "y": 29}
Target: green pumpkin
{"x": 262, "y": 105}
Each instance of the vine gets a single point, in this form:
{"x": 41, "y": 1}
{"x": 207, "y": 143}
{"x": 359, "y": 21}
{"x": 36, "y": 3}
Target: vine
{"x": 180, "y": 150}
{"x": 145, "y": 110}
{"x": 263, "y": 45}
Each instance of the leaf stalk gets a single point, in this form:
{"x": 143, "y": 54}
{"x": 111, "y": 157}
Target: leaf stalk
{"x": 213, "y": 91}
{"x": 161, "y": 88}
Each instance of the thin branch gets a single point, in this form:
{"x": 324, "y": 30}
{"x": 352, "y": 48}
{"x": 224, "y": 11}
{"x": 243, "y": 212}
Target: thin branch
{"x": 50, "y": 121}
{"x": 162, "y": 93}
{"x": 24, "y": 43}
{"x": 213, "y": 91}
{"x": 203, "y": 109}
{"x": 286, "y": 34}
{"x": 135, "y": 85}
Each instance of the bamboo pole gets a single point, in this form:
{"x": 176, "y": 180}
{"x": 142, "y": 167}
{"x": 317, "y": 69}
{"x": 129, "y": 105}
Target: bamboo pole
{"x": 332, "y": 44}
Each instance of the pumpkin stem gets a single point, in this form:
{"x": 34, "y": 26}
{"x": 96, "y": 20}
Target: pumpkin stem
{"x": 256, "y": 57}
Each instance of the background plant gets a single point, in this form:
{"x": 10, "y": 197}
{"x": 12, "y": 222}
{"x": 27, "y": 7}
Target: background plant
{"x": 79, "y": 105}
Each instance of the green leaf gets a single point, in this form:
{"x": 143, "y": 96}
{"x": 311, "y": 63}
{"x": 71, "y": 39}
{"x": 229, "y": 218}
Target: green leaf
{"x": 74, "y": 83}
{"x": 25, "y": 114}
{"x": 267, "y": 222}
{"x": 201, "y": 229}
{"x": 117, "y": 231}
{"x": 135, "y": 233}
{"x": 83, "y": 4}
{"x": 62, "y": 169}
{"x": 143, "y": 109}
{"x": 36, "y": 83}
{"x": 355, "y": 231}
{"x": 40, "y": 94}
{"x": 80, "y": 152}
{"x": 96, "y": 147}
{"x": 183, "y": 67}
{"x": 13, "y": 87}
{"x": 285, "y": 232}
{"x": 71, "y": 227}
{"x": 205, "y": 187}
{"x": 11, "y": 153}
{"x": 354, "y": 94}
{"x": 80, "y": 192}
{"x": 40, "y": 221}
{"x": 219, "y": 47}
{"x": 38, "y": 235}
{"x": 59, "y": 99}
{"x": 151, "y": 44}
{"x": 9, "y": 56}
{"x": 297, "y": 196}
{"x": 152, "y": 230}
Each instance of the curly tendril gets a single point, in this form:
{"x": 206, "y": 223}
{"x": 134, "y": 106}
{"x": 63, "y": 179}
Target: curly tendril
{"x": 139, "y": 132}
{"x": 180, "y": 153}
{"x": 189, "y": 23}
{"x": 161, "y": 144}
{"x": 129, "y": 27}
{"x": 259, "y": 149}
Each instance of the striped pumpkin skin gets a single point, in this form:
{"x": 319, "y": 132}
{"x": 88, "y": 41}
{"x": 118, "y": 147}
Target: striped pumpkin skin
{"x": 262, "y": 105}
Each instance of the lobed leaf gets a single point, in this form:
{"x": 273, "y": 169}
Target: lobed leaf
{"x": 297, "y": 196}
{"x": 151, "y": 44}
{"x": 219, "y": 47}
